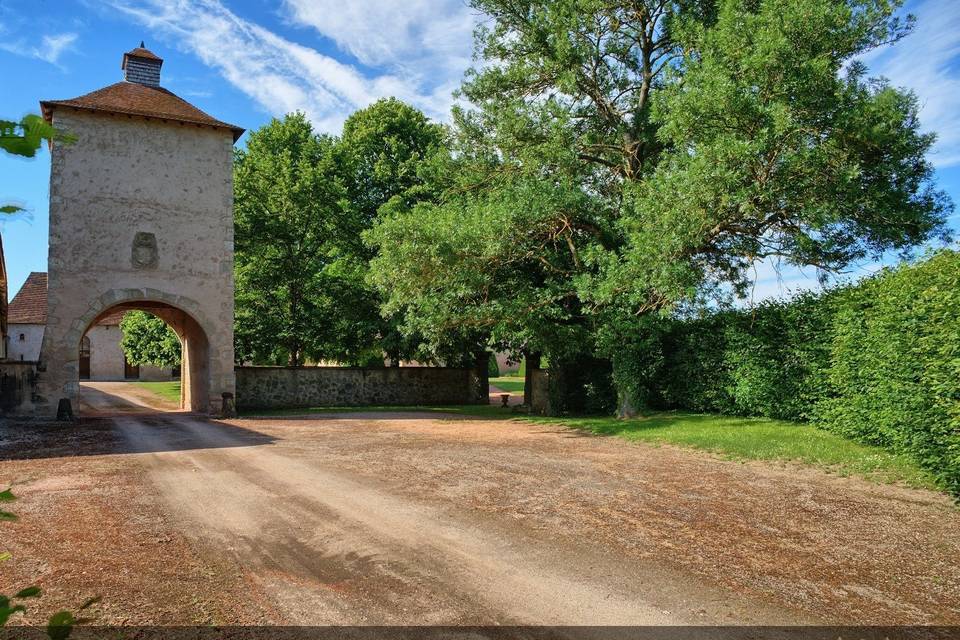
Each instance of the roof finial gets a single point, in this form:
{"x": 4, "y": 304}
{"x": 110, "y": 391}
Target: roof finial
{"x": 141, "y": 44}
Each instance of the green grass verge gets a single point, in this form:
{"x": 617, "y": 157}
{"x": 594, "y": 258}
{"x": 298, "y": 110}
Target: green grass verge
{"x": 510, "y": 384}
{"x": 741, "y": 438}
{"x": 731, "y": 437}
{"x": 169, "y": 391}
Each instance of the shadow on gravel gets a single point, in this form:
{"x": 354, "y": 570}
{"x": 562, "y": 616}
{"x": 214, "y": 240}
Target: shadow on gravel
{"x": 364, "y": 415}
{"x": 105, "y": 436}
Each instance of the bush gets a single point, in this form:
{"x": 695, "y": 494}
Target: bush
{"x": 878, "y": 362}
{"x": 493, "y": 370}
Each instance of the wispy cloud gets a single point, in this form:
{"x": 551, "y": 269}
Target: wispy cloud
{"x": 928, "y": 62}
{"x": 282, "y": 75}
{"x": 429, "y": 35}
{"x": 50, "y": 48}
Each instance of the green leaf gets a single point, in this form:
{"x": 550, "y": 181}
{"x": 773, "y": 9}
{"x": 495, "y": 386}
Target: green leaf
{"x": 10, "y": 208}
{"x": 60, "y": 625}
{"x": 6, "y": 515}
{"x": 29, "y": 592}
{"x": 7, "y": 496}
{"x": 4, "y": 556}
{"x": 6, "y": 612}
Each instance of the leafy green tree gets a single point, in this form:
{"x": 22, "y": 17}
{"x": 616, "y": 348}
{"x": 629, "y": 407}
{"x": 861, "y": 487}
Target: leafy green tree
{"x": 379, "y": 157}
{"x": 147, "y": 340}
{"x": 287, "y": 211}
{"x": 302, "y": 202}
{"x": 622, "y": 157}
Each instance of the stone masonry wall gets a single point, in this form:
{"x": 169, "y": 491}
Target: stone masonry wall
{"x": 140, "y": 210}
{"x": 280, "y": 387}
{"x": 17, "y": 388}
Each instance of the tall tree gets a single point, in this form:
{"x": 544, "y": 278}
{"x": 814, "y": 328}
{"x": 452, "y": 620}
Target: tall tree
{"x": 287, "y": 207}
{"x": 302, "y": 203}
{"x": 623, "y": 156}
{"x": 379, "y": 157}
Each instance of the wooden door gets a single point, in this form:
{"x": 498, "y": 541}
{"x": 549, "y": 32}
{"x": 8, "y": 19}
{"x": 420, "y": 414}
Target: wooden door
{"x": 131, "y": 371}
{"x": 85, "y": 358}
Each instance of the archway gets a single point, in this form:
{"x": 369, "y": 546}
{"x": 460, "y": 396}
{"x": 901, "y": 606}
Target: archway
{"x": 206, "y": 373}
{"x": 195, "y": 365}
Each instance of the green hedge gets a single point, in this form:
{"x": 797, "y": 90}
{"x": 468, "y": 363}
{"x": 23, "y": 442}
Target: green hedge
{"x": 878, "y": 362}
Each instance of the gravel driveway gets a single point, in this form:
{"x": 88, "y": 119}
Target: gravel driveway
{"x": 417, "y": 519}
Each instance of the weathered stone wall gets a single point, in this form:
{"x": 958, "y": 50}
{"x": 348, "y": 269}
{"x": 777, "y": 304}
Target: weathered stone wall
{"x": 17, "y": 388}
{"x": 107, "y": 359}
{"x": 106, "y": 356}
{"x": 140, "y": 211}
{"x": 28, "y": 349}
{"x": 279, "y": 387}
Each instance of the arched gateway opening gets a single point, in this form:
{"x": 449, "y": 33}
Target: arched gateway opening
{"x": 205, "y": 373}
{"x": 195, "y": 367}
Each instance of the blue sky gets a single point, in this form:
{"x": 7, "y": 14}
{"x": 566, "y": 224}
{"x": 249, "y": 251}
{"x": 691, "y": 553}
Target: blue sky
{"x": 244, "y": 61}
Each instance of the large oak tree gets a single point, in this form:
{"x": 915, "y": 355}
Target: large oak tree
{"x": 620, "y": 157}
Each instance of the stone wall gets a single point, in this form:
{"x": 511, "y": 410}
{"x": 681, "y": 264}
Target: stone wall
{"x": 17, "y": 388}
{"x": 27, "y": 349}
{"x": 281, "y": 387}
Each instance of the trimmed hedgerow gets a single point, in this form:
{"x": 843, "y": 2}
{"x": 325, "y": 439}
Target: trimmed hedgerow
{"x": 894, "y": 374}
{"x": 878, "y": 362}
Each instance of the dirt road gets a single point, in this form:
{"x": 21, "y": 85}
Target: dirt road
{"x": 118, "y": 398}
{"x": 411, "y": 519}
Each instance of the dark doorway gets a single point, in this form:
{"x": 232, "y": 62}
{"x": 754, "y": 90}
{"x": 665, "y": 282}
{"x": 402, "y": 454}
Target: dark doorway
{"x": 131, "y": 371}
{"x": 85, "y": 358}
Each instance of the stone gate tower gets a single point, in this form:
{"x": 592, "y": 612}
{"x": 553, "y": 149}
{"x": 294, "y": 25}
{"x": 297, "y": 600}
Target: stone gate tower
{"x": 141, "y": 217}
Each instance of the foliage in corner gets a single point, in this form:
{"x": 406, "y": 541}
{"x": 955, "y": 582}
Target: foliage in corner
{"x": 60, "y": 625}
{"x": 23, "y": 138}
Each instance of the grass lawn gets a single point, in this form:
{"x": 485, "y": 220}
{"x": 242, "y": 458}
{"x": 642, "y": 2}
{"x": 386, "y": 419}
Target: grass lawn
{"x": 731, "y": 437}
{"x": 169, "y": 391}
{"x": 510, "y": 384}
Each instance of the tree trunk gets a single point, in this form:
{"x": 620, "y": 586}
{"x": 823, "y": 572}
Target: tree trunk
{"x": 532, "y": 364}
{"x": 626, "y": 404}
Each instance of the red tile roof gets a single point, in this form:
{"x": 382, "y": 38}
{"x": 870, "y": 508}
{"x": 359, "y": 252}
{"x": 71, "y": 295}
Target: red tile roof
{"x": 140, "y": 52}
{"x": 29, "y": 306}
{"x": 131, "y": 98}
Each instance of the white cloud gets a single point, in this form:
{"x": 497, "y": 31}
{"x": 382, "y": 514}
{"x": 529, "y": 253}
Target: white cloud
{"x": 281, "y": 75}
{"x": 50, "y": 49}
{"x": 928, "y": 62}
{"x": 393, "y": 32}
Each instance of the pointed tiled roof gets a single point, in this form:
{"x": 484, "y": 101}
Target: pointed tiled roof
{"x": 141, "y": 52}
{"x": 29, "y": 306}
{"x": 131, "y": 98}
